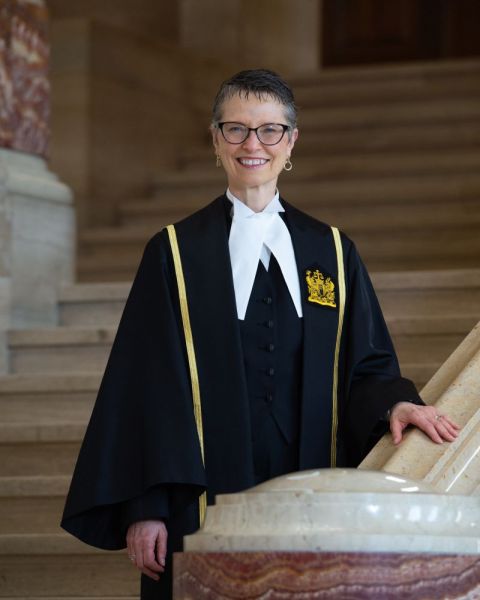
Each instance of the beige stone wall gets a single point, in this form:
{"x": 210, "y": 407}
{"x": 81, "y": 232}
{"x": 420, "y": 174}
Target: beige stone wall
{"x": 151, "y": 18}
{"x": 277, "y": 34}
{"x": 132, "y": 84}
{"x": 121, "y": 111}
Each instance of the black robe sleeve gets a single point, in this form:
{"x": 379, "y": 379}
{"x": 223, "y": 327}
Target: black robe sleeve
{"x": 374, "y": 383}
{"x": 152, "y": 505}
{"x": 143, "y": 411}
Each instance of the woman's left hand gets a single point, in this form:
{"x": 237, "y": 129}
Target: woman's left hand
{"x": 438, "y": 427}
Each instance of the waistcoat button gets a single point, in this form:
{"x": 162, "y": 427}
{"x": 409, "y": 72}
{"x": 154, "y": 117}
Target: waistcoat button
{"x": 271, "y": 371}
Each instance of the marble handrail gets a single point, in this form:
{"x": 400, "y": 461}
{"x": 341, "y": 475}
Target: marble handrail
{"x": 448, "y": 467}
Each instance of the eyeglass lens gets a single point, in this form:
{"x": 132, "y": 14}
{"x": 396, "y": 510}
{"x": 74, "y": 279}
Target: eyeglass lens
{"x": 270, "y": 133}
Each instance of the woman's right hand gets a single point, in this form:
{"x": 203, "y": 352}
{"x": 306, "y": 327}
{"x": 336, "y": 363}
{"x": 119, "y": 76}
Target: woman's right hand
{"x": 147, "y": 547}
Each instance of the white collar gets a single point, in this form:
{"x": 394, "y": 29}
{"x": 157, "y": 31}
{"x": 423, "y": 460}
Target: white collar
{"x": 253, "y": 237}
{"x": 240, "y": 208}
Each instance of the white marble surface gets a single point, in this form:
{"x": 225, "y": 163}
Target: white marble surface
{"x": 452, "y": 468}
{"x": 340, "y": 510}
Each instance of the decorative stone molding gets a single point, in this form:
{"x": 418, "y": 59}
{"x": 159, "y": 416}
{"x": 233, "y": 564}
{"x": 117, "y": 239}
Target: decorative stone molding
{"x": 340, "y": 510}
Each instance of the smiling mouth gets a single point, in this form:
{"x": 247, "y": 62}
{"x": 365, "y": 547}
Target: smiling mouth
{"x": 252, "y": 162}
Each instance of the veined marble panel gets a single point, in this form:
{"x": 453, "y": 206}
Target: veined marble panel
{"x": 326, "y": 575}
{"x": 334, "y": 533}
{"x": 24, "y": 85}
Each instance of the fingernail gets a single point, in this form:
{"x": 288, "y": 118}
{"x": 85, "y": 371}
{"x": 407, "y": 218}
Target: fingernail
{"x": 162, "y": 562}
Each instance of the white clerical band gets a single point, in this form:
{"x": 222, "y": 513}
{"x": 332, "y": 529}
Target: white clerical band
{"x": 253, "y": 237}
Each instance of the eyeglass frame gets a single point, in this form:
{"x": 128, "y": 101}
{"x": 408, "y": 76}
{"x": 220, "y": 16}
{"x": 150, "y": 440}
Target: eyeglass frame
{"x": 255, "y": 129}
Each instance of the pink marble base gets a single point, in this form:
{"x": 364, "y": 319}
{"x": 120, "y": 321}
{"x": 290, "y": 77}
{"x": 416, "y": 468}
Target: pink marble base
{"x": 310, "y": 575}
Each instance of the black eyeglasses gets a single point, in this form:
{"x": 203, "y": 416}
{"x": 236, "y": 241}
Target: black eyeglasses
{"x": 268, "y": 134}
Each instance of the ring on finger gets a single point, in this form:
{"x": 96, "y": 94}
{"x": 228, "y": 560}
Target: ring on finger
{"x": 132, "y": 557}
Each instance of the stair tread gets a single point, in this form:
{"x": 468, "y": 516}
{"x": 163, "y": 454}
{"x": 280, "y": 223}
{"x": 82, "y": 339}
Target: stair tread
{"x": 363, "y": 73}
{"x": 45, "y": 543}
{"x": 97, "y": 291}
{"x": 61, "y": 336}
{"x": 37, "y": 486}
{"x": 28, "y": 432}
{"x": 24, "y": 383}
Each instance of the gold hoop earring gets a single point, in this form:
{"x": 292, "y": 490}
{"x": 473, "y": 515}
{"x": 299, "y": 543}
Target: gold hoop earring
{"x": 219, "y": 162}
{"x": 288, "y": 165}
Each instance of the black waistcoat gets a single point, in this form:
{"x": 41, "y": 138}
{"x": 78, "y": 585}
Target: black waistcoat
{"x": 272, "y": 337}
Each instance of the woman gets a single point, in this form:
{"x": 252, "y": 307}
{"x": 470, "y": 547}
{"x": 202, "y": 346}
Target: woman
{"x": 296, "y": 368}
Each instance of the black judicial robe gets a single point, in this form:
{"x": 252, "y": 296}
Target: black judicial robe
{"x": 142, "y": 432}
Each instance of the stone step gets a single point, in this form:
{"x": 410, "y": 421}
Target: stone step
{"x": 442, "y": 294}
{"x": 61, "y": 349}
{"x": 425, "y": 248}
{"x": 28, "y": 449}
{"x": 44, "y": 399}
{"x": 57, "y": 565}
{"x": 32, "y": 504}
{"x": 392, "y": 81}
{"x": 91, "y": 304}
{"x": 376, "y": 113}
{"x": 322, "y": 92}
{"x": 445, "y": 293}
{"x": 429, "y": 338}
{"x": 398, "y": 191}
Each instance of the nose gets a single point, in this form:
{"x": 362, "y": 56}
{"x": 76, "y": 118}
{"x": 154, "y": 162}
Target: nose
{"x": 252, "y": 142}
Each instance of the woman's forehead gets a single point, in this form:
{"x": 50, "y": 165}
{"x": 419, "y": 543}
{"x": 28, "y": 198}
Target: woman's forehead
{"x": 242, "y": 106}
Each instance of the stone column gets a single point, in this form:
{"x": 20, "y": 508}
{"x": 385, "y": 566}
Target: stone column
{"x": 36, "y": 210}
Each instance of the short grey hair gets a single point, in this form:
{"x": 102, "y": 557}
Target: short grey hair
{"x": 263, "y": 84}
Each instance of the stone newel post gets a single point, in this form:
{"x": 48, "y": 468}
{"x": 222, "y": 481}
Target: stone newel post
{"x": 37, "y": 219}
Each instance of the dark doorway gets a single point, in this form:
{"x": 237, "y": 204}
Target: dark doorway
{"x": 373, "y": 31}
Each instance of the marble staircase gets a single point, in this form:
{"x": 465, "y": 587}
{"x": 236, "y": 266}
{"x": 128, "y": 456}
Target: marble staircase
{"x": 390, "y": 155}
